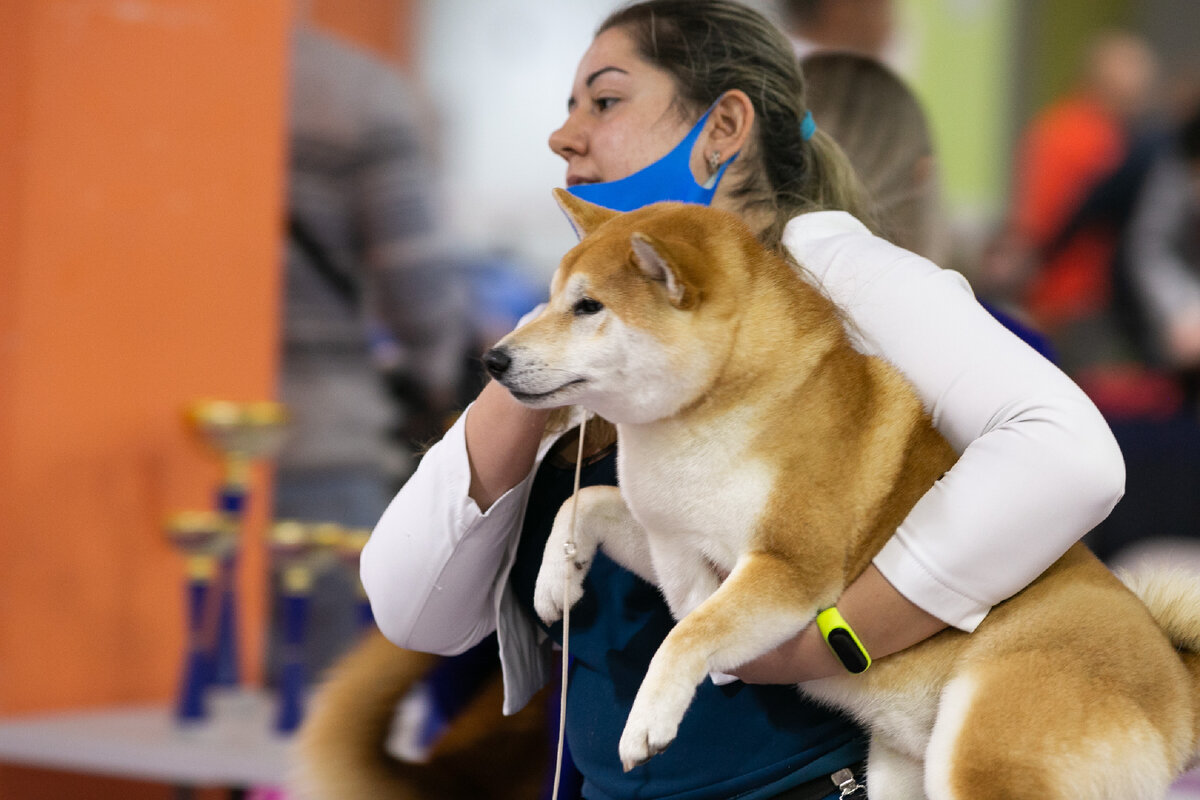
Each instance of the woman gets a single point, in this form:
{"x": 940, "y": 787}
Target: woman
{"x": 704, "y": 100}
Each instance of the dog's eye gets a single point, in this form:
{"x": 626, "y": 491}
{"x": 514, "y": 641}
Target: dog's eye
{"x": 586, "y": 305}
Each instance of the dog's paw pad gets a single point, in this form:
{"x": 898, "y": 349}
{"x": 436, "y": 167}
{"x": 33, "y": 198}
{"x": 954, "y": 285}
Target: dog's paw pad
{"x": 548, "y": 598}
{"x": 640, "y": 743}
{"x": 548, "y": 609}
{"x": 638, "y": 752}
{"x": 558, "y": 581}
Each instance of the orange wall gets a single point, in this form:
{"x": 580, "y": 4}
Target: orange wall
{"x": 141, "y": 155}
{"x": 384, "y": 26}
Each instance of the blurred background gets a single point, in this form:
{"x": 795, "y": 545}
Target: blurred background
{"x": 338, "y": 204}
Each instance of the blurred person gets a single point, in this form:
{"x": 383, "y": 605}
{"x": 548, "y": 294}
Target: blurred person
{"x": 1163, "y": 252}
{"x": 380, "y": 321}
{"x": 850, "y": 93}
{"x": 859, "y": 26}
{"x": 1065, "y": 284}
{"x": 362, "y": 276}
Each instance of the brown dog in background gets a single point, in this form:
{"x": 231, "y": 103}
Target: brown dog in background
{"x": 340, "y": 748}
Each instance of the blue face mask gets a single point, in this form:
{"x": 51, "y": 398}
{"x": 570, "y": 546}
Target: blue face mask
{"x": 669, "y": 178}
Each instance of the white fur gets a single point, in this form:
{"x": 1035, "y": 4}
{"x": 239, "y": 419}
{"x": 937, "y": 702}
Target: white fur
{"x": 939, "y": 755}
{"x": 893, "y": 775}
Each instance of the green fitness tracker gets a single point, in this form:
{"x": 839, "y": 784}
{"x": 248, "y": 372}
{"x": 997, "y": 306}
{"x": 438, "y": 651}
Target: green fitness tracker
{"x": 842, "y": 640}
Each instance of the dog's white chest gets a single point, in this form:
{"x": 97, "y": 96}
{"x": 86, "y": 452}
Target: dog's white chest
{"x": 700, "y": 494}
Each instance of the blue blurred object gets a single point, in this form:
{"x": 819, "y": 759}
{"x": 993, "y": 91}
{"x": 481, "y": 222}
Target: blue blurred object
{"x": 1032, "y": 337}
{"x": 292, "y": 671}
{"x": 198, "y": 665}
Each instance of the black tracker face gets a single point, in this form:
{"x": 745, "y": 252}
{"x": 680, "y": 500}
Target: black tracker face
{"x": 847, "y": 650}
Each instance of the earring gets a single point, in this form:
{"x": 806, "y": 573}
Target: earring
{"x": 714, "y": 161}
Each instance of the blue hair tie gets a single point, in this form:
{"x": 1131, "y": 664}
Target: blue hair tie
{"x": 807, "y": 126}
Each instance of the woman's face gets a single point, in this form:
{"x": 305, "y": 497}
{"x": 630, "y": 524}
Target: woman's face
{"x": 620, "y": 116}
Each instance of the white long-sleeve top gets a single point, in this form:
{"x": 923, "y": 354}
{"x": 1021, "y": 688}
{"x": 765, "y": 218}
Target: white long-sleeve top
{"x": 1039, "y": 467}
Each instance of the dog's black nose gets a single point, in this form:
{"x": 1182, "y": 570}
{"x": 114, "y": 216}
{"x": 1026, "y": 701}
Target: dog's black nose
{"x": 496, "y": 361}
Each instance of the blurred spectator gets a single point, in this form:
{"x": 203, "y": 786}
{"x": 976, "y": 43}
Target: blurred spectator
{"x": 1163, "y": 253}
{"x": 848, "y": 93}
{"x": 1047, "y": 261}
{"x": 362, "y": 277}
{"x": 859, "y": 26}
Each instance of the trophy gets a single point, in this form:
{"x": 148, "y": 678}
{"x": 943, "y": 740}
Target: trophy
{"x": 205, "y": 537}
{"x": 239, "y": 433}
{"x": 300, "y": 548}
{"x": 349, "y": 550}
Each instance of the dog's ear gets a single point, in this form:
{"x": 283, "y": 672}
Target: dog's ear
{"x": 652, "y": 258}
{"x": 584, "y": 217}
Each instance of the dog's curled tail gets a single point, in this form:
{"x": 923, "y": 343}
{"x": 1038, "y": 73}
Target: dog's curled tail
{"x": 340, "y": 751}
{"x": 1173, "y": 597}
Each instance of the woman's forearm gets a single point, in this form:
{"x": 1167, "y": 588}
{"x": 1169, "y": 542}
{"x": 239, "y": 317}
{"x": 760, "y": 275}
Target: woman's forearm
{"x": 502, "y": 442}
{"x": 884, "y": 620}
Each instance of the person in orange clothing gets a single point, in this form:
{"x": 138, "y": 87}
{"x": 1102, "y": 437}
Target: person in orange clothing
{"x": 1068, "y": 148}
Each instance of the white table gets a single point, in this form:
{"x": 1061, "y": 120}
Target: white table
{"x": 237, "y": 748}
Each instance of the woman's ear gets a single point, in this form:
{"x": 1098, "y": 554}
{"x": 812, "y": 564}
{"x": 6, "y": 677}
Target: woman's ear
{"x": 729, "y": 126}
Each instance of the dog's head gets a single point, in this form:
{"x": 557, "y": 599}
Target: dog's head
{"x": 640, "y": 313}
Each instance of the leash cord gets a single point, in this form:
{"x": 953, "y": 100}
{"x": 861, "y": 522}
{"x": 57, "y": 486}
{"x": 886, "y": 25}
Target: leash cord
{"x": 569, "y": 555}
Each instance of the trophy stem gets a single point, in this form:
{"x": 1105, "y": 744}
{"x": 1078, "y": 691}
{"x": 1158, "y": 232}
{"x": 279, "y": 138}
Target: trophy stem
{"x": 198, "y": 665}
{"x": 231, "y": 501}
{"x": 297, "y": 590}
{"x": 226, "y": 669}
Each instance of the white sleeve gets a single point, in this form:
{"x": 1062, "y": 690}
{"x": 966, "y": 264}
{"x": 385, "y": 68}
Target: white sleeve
{"x": 1039, "y": 466}
{"x": 434, "y": 564}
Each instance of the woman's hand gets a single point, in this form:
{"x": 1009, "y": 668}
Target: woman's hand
{"x": 502, "y": 442}
{"x": 884, "y": 620}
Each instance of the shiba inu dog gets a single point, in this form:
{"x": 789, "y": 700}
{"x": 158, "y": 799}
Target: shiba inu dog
{"x": 756, "y": 442}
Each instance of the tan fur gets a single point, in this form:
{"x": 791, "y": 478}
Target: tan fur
{"x": 756, "y": 440}
{"x": 340, "y": 751}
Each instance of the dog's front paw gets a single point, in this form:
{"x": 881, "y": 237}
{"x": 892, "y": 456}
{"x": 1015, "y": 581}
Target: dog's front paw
{"x": 559, "y": 580}
{"x": 647, "y": 733}
{"x": 661, "y": 701}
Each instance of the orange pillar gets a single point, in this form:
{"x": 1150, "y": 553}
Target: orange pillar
{"x": 142, "y": 153}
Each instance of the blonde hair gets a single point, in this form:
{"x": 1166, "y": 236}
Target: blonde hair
{"x": 882, "y": 129}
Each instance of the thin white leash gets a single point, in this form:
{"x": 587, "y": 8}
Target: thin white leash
{"x": 569, "y": 555}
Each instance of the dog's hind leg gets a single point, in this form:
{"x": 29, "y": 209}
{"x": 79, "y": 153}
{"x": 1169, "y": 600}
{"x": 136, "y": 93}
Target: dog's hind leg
{"x": 601, "y": 519}
{"x": 759, "y": 605}
{"x": 1027, "y": 727}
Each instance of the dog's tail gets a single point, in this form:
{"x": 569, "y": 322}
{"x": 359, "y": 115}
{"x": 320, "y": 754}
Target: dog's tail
{"x": 1173, "y": 597}
{"x": 340, "y": 749}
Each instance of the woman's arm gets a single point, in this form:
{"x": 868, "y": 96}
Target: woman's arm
{"x": 882, "y": 618}
{"x": 502, "y": 443}
{"x": 1039, "y": 465}
{"x": 433, "y": 565}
